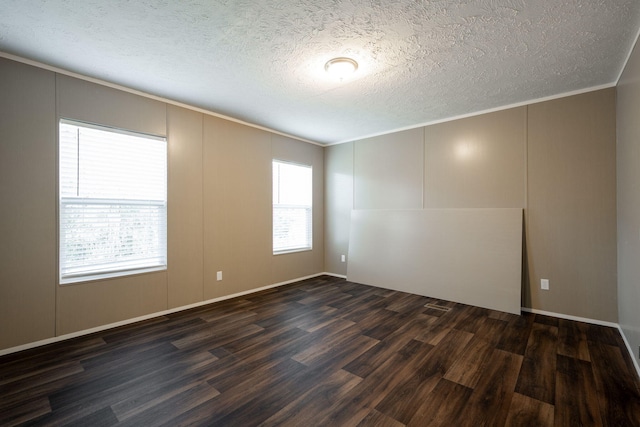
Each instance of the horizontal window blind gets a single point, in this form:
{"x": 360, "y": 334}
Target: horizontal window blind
{"x": 113, "y": 204}
{"x": 292, "y": 207}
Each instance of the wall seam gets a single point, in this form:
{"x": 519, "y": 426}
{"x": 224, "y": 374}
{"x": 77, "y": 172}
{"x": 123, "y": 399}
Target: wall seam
{"x": 166, "y": 133}
{"x": 424, "y": 163}
{"x": 57, "y": 205}
{"x": 202, "y": 197}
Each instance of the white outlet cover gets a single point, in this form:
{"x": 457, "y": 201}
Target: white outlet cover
{"x": 219, "y": 275}
{"x": 544, "y": 284}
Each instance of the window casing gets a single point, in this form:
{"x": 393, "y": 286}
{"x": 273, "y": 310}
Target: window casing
{"x": 292, "y": 207}
{"x": 112, "y": 202}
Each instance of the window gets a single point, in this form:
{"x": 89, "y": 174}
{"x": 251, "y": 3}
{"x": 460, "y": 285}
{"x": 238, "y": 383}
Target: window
{"x": 113, "y": 202}
{"x": 292, "y": 191}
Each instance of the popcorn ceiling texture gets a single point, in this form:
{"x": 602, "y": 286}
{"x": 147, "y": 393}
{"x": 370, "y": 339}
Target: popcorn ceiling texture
{"x": 263, "y": 61}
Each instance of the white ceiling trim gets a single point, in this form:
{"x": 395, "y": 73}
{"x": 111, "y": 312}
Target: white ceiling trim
{"x": 149, "y": 95}
{"x": 626, "y": 61}
{"x": 479, "y": 113}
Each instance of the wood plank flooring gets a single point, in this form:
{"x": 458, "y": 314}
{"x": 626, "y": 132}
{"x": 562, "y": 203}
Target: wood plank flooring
{"x": 328, "y": 352}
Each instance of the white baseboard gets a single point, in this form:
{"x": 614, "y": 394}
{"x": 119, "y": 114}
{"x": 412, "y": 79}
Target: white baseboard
{"x": 630, "y": 350}
{"x": 341, "y": 276}
{"x": 569, "y": 317}
{"x": 594, "y": 322}
{"x": 148, "y": 316}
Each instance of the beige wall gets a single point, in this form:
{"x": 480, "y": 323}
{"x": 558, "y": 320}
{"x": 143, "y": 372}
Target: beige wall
{"x": 388, "y": 171}
{"x": 476, "y": 162}
{"x": 219, "y": 207}
{"x": 555, "y": 159}
{"x": 338, "y": 162}
{"x": 571, "y": 213}
{"x": 28, "y": 204}
{"x": 184, "y": 207}
{"x": 628, "y": 163}
{"x": 237, "y": 209}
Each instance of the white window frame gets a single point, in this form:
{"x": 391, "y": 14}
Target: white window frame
{"x": 158, "y": 206}
{"x": 308, "y": 246}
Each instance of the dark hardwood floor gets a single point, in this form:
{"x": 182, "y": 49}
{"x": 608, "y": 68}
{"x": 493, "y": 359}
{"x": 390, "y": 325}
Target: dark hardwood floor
{"x": 327, "y": 352}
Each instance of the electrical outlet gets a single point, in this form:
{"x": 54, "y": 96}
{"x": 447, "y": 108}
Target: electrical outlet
{"x": 544, "y": 284}
{"x": 219, "y": 276}
{"x": 343, "y": 258}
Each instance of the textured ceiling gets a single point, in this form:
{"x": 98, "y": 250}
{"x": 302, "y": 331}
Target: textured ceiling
{"x": 263, "y": 61}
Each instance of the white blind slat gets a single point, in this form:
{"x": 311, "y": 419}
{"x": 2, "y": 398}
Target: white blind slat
{"x": 292, "y": 207}
{"x": 113, "y": 212}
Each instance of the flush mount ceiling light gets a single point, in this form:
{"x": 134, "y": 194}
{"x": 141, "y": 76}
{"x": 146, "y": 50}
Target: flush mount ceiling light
{"x": 341, "y": 67}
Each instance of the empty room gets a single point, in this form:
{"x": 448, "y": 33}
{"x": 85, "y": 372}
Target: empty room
{"x": 320, "y": 213}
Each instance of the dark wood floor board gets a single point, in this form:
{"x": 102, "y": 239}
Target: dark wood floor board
{"x": 489, "y": 403}
{"x": 347, "y": 306}
{"x": 491, "y": 330}
{"x": 290, "y": 313}
{"x": 373, "y": 358}
{"x": 381, "y": 323}
{"x": 365, "y": 396}
{"x": 113, "y": 377}
{"x": 385, "y": 328}
{"x": 538, "y": 375}
{"x": 285, "y": 343}
{"x": 40, "y": 357}
{"x": 472, "y": 320}
{"x": 618, "y": 393}
{"x": 326, "y": 351}
{"x": 444, "y": 406}
{"x": 470, "y": 366}
{"x": 359, "y": 308}
{"x": 24, "y": 411}
{"x": 232, "y": 305}
{"x": 433, "y": 334}
{"x": 137, "y": 385}
{"x": 604, "y": 335}
{"x": 295, "y": 340}
{"x": 223, "y": 319}
{"x": 317, "y": 300}
{"x": 209, "y": 337}
{"x": 263, "y": 406}
{"x": 572, "y": 340}
{"x": 129, "y": 352}
{"x": 527, "y": 412}
{"x": 406, "y": 303}
{"x": 315, "y": 403}
{"x": 505, "y": 317}
{"x": 576, "y": 394}
{"x": 451, "y": 318}
{"x": 405, "y": 399}
{"x": 149, "y": 328}
{"x": 162, "y": 385}
{"x": 324, "y": 317}
{"x": 231, "y": 372}
{"x": 350, "y": 341}
{"x": 171, "y": 407}
{"x": 546, "y": 320}
{"x": 243, "y": 399}
{"x": 516, "y": 335}
{"x": 25, "y": 380}
{"x": 378, "y": 419}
